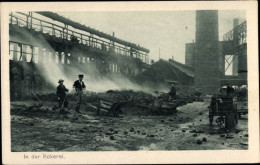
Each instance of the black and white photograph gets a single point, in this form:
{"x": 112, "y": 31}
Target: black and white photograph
{"x": 106, "y": 81}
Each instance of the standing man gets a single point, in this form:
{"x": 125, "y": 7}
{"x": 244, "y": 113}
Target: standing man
{"x": 61, "y": 93}
{"x": 79, "y": 86}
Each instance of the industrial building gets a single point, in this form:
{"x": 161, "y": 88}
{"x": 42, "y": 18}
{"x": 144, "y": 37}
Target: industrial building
{"x": 48, "y": 39}
{"x": 217, "y": 62}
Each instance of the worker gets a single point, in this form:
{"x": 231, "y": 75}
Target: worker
{"x": 230, "y": 91}
{"x": 79, "y": 86}
{"x": 172, "y": 92}
{"x": 226, "y": 98}
{"x": 62, "y": 93}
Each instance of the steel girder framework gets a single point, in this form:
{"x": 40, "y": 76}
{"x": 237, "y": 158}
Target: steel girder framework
{"x": 238, "y": 38}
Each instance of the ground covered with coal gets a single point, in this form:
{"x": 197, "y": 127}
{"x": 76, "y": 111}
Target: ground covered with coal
{"x": 40, "y": 126}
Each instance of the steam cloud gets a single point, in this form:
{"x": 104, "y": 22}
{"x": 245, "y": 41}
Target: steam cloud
{"x": 94, "y": 80}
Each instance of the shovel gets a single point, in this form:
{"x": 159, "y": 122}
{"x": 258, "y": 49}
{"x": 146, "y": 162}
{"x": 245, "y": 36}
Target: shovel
{"x": 62, "y": 107}
{"x": 40, "y": 102}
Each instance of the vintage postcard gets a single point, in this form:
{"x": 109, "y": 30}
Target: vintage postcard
{"x": 129, "y": 82}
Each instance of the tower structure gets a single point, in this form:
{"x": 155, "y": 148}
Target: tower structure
{"x": 207, "y": 71}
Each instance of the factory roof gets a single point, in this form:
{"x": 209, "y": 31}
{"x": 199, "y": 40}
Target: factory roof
{"x": 57, "y": 17}
{"x": 183, "y": 68}
{"x": 167, "y": 70}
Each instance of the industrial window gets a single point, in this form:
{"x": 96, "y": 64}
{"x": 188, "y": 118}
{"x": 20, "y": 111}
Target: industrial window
{"x": 26, "y": 53}
{"x": 57, "y": 57}
{"x": 11, "y": 51}
{"x": 62, "y": 57}
{"x": 44, "y": 55}
{"x": 68, "y": 61}
{"x": 115, "y": 68}
{"x": 50, "y": 56}
{"x": 231, "y": 65}
{"x": 21, "y": 52}
{"x": 14, "y": 51}
{"x": 36, "y": 54}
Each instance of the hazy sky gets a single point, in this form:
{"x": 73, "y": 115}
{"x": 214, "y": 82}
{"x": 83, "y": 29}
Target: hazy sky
{"x": 167, "y": 30}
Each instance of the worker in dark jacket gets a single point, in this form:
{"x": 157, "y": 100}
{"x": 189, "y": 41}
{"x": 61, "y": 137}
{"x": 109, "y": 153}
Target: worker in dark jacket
{"x": 172, "y": 92}
{"x": 230, "y": 91}
{"x": 61, "y": 93}
{"x": 79, "y": 86}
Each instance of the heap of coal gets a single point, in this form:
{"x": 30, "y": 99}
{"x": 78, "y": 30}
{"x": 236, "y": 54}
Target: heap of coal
{"x": 136, "y": 102}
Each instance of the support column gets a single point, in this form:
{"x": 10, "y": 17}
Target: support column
{"x": 242, "y": 63}
{"x": 15, "y": 51}
{"x": 235, "y": 39}
{"x": 40, "y": 55}
{"x": 66, "y": 54}
{"x": 60, "y": 57}
{"x": 23, "y": 50}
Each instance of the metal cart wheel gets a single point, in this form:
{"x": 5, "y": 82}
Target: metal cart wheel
{"x": 220, "y": 120}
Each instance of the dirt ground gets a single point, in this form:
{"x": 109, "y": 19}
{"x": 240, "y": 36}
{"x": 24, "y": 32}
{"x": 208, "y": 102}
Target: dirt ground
{"x": 44, "y": 129}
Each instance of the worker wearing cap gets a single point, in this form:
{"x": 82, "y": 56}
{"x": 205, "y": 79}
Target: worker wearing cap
{"x": 61, "y": 93}
{"x": 79, "y": 86}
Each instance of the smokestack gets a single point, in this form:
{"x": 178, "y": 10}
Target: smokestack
{"x": 207, "y": 72}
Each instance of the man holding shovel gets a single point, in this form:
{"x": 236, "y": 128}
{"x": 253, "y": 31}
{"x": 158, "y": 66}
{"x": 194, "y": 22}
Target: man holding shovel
{"x": 62, "y": 95}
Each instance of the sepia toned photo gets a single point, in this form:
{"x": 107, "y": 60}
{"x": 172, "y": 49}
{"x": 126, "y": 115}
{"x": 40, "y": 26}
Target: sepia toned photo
{"x": 148, "y": 81}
